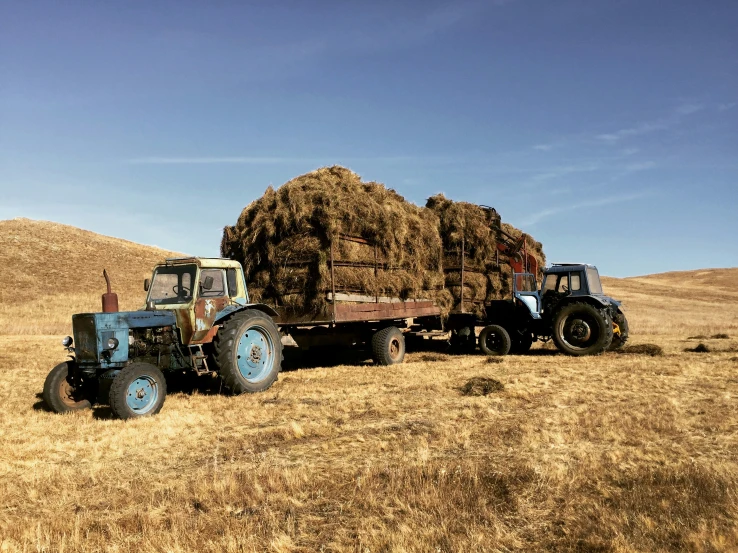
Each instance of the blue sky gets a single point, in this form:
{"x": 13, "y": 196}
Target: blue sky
{"x": 606, "y": 129}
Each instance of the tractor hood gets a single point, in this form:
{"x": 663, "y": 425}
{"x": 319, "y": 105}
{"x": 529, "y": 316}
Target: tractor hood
{"x": 93, "y": 330}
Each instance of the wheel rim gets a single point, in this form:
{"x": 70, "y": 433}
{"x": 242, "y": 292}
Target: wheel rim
{"x": 142, "y": 394}
{"x": 394, "y": 349}
{"x": 580, "y": 332}
{"x": 67, "y": 394}
{"x": 493, "y": 341}
{"x": 255, "y": 354}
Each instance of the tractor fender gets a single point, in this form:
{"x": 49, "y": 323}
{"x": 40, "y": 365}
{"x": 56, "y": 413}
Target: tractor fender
{"x": 597, "y": 302}
{"x": 235, "y": 308}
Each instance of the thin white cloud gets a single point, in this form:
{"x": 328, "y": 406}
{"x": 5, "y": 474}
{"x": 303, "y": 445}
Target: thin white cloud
{"x": 543, "y": 147}
{"x": 264, "y": 160}
{"x": 546, "y": 213}
{"x": 726, "y": 107}
{"x": 648, "y": 127}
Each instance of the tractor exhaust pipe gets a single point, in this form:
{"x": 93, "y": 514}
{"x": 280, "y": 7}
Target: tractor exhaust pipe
{"x": 109, "y": 299}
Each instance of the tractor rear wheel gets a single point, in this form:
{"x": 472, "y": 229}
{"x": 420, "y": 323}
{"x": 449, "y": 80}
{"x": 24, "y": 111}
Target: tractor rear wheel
{"x": 60, "y": 395}
{"x": 138, "y": 390}
{"x": 618, "y": 340}
{"x": 494, "y": 340}
{"x": 388, "y": 346}
{"x": 582, "y": 329}
{"x": 249, "y": 352}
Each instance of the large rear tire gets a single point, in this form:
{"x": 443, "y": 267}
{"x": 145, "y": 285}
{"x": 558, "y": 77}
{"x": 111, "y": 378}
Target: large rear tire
{"x": 249, "y": 350}
{"x": 494, "y": 340}
{"x": 138, "y": 390}
{"x": 388, "y": 346}
{"x": 618, "y": 340}
{"x": 582, "y": 329}
{"x": 60, "y": 395}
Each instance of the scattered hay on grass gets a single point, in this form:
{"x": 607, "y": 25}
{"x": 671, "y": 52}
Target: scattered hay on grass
{"x": 734, "y": 359}
{"x": 721, "y": 336}
{"x": 642, "y": 349}
{"x": 697, "y": 337}
{"x": 433, "y": 357}
{"x": 481, "y": 386}
{"x": 494, "y": 359}
{"x": 699, "y": 348}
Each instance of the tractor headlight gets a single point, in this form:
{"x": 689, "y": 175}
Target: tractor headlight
{"x": 67, "y": 341}
{"x": 112, "y": 343}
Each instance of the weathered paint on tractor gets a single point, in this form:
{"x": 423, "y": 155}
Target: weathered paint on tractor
{"x": 93, "y": 330}
{"x": 195, "y": 318}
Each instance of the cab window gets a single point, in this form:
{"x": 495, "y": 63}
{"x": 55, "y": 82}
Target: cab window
{"x": 563, "y": 284}
{"x": 218, "y": 288}
{"x": 550, "y": 283}
{"x": 576, "y": 282}
{"x": 232, "y": 282}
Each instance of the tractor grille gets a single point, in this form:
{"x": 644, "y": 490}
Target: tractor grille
{"x": 85, "y": 338}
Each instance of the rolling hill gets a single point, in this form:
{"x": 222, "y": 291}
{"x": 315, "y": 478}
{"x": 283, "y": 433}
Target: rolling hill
{"x": 49, "y": 271}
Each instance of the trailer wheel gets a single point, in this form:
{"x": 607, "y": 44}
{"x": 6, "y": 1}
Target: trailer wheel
{"x": 388, "y": 346}
{"x": 618, "y": 341}
{"x": 494, "y": 340}
{"x": 249, "y": 352}
{"x": 521, "y": 344}
{"x": 60, "y": 395}
{"x": 582, "y": 329}
{"x": 138, "y": 390}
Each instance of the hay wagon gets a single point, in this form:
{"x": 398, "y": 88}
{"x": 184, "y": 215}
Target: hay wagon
{"x": 350, "y": 317}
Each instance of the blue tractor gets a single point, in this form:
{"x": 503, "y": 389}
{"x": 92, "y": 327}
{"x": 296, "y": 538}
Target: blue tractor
{"x": 197, "y": 319}
{"x": 570, "y": 308}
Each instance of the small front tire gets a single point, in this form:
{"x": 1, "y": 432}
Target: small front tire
{"x": 60, "y": 395}
{"x": 138, "y": 390}
{"x": 618, "y": 340}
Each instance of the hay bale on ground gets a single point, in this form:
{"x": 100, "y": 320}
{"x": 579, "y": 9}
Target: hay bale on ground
{"x": 283, "y": 241}
{"x": 653, "y": 350}
{"x": 481, "y": 386}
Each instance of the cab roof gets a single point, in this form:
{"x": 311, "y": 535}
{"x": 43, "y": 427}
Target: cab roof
{"x": 202, "y": 262}
{"x": 566, "y": 267}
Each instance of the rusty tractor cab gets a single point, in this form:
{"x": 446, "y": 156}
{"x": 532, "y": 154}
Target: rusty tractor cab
{"x": 197, "y": 318}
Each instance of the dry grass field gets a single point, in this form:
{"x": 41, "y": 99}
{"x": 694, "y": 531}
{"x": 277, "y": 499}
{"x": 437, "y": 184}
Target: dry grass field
{"x": 613, "y": 453}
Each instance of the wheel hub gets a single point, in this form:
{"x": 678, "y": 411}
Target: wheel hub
{"x": 580, "y": 330}
{"x": 255, "y": 354}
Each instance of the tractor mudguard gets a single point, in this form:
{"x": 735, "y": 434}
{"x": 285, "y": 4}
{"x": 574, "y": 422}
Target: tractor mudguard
{"x": 231, "y": 309}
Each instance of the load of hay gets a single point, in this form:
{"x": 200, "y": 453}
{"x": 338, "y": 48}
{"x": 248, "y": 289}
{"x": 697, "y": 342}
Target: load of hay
{"x": 476, "y": 231}
{"x": 283, "y": 240}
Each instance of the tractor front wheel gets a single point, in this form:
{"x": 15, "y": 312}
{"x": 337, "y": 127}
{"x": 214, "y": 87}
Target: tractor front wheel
{"x": 249, "y": 352}
{"x": 582, "y": 329}
{"x": 60, "y": 395}
{"x": 618, "y": 340}
{"x": 138, "y": 390}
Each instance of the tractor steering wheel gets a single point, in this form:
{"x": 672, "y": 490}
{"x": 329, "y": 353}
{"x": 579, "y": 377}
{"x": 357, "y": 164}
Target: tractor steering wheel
{"x": 181, "y": 291}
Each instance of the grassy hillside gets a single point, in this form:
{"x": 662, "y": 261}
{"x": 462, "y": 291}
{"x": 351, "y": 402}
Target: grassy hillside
{"x": 49, "y": 271}
{"x": 616, "y": 453}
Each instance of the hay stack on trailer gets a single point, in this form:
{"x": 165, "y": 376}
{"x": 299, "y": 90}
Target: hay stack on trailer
{"x": 472, "y": 233}
{"x": 382, "y": 245}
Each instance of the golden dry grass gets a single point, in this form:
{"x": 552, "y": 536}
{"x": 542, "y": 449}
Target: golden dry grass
{"x": 614, "y": 453}
{"x": 50, "y": 271}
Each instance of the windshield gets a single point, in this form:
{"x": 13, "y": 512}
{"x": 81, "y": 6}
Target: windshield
{"x": 525, "y": 282}
{"x": 172, "y": 284}
{"x": 593, "y": 279}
